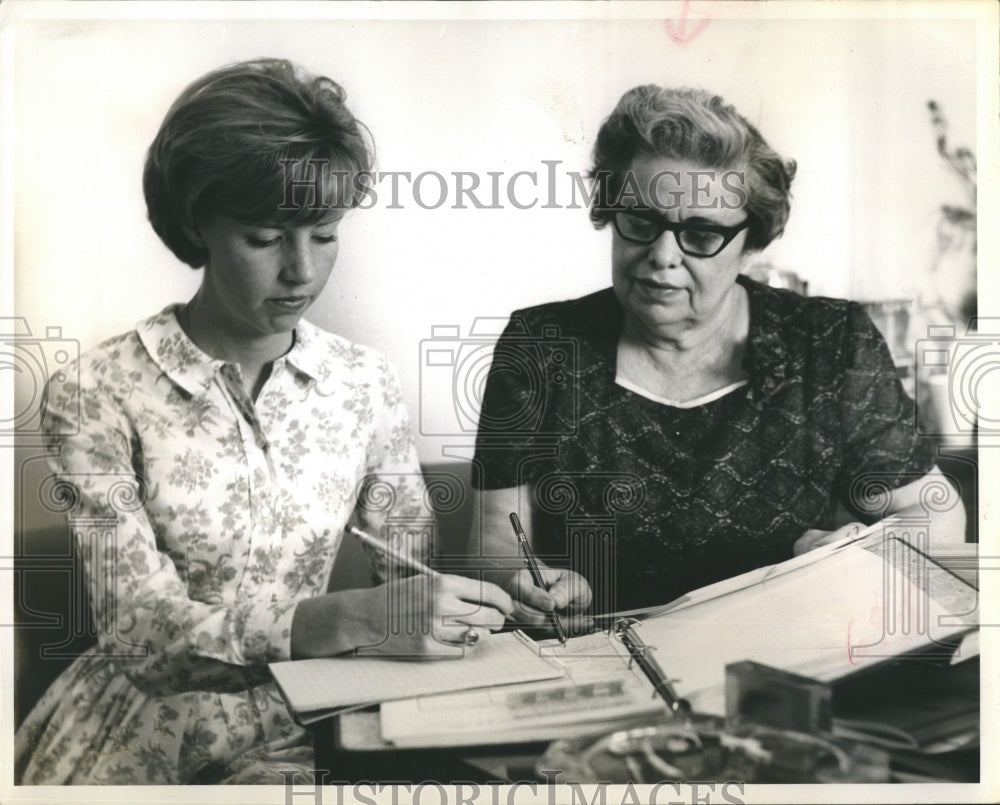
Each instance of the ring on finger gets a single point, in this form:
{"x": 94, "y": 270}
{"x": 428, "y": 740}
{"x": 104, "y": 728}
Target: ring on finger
{"x": 470, "y": 637}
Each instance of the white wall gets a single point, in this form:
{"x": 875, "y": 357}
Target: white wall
{"x": 846, "y": 99}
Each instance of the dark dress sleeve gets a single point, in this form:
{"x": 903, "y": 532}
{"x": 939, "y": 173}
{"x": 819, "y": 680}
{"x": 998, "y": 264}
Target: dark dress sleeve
{"x": 529, "y": 383}
{"x": 882, "y": 448}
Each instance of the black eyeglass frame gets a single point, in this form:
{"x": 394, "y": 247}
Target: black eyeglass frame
{"x": 728, "y": 232}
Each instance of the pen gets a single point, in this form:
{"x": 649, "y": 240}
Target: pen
{"x": 391, "y": 553}
{"x": 536, "y": 575}
{"x": 643, "y": 657}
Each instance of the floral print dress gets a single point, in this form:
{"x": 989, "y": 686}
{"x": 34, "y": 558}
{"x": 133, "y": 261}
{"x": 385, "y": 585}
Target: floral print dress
{"x": 225, "y": 514}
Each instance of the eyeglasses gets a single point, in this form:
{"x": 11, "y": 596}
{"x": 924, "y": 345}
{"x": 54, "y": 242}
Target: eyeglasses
{"x": 695, "y": 240}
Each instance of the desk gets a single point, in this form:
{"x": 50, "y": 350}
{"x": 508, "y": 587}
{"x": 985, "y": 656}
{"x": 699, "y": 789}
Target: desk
{"x": 483, "y": 765}
{"x": 516, "y": 762}
{"x": 904, "y": 679}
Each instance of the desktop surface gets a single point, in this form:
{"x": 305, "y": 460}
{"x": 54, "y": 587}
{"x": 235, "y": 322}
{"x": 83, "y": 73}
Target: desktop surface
{"x": 927, "y": 696}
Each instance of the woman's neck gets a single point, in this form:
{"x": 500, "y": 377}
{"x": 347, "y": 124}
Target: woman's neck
{"x": 692, "y": 361}
{"x": 729, "y": 318}
{"x": 254, "y": 354}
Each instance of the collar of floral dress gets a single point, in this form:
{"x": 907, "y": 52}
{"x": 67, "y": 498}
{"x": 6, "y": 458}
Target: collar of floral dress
{"x": 310, "y": 353}
{"x": 194, "y": 370}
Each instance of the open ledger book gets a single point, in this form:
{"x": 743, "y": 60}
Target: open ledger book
{"x": 825, "y": 615}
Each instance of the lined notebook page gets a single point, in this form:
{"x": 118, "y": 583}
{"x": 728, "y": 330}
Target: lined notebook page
{"x": 340, "y": 681}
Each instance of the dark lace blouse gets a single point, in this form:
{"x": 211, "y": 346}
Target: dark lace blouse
{"x": 648, "y": 500}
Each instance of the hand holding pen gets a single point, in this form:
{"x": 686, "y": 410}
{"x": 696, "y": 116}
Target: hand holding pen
{"x": 554, "y": 583}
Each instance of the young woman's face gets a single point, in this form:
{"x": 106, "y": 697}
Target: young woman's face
{"x": 260, "y": 279}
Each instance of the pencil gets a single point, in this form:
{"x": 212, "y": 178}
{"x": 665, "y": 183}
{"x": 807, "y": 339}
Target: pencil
{"x": 391, "y": 553}
{"x": 536, "y": 574}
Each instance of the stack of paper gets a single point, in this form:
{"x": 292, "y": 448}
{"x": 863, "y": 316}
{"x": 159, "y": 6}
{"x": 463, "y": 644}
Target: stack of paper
{"x": 316, "y": 689}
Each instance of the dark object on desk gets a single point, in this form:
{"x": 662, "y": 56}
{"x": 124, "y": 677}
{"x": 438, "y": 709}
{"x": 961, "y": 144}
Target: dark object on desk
{"x": 915, "y": 708}
{"x": 760, "y": 694}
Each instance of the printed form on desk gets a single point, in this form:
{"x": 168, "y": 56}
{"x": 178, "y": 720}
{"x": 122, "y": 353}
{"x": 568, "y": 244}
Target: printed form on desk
{"x": 600, "y": 691}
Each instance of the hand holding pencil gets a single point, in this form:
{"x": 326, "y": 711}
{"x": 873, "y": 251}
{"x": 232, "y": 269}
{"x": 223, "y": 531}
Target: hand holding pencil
{"x": 421, "y": 614}
{"x": 462, "y": 611}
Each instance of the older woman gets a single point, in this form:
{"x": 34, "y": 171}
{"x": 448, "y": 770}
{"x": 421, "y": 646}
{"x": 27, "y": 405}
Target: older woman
{"x": 245, "y": 440}
{"x": 686, "y": 424}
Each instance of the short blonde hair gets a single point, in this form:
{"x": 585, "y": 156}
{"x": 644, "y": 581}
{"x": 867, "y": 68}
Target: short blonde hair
{"x": 246, "y": 141}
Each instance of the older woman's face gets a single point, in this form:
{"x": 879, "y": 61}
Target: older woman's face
{"x": 662, "y": 289}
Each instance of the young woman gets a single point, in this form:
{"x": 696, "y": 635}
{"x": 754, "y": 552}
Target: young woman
{"x": 235, "y": 442}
